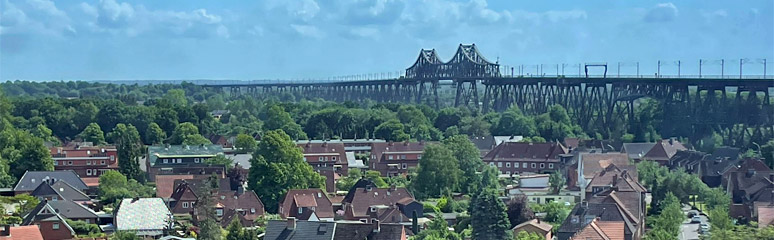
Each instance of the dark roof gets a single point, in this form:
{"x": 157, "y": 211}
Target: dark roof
{"x": 69, "y": 192}
{"x": 360, "y": 231}
{"x": 637, "y": 150}
{"x": 72, "y": 210}
{"x": 303, "y": 230}
{"x": 731, "y": 153}
{"x": 483, "y": 143}
{"x": 45, "y": 190}
{"x": 522, "y": 151}
{"x": 664, "y": 150}
{"x": 43, "y": 212}
{"x": 31, "y": 179}
{"x": 247, "y": 202}
{"x": 154, "y": 152}
{"x": 617, "y": 178}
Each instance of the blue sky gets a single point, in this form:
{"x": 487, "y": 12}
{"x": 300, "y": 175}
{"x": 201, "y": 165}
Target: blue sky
{"x": 183, "y": 39}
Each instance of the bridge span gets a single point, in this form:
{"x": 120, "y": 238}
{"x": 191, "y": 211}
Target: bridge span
{"x": 719, "y": 103}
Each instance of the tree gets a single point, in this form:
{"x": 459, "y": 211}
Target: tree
{"x": 488, "y": 216}
{"x": 175, "y": 98}
{"x": 196, "y": 139}
{"x": 767, "y": 152}
{"x": 278, "y": 165}
{"x": 519, "y": 211}
{"x": 524, "y": 235}
{"x": 670, "y": 218}
{"x": 437, "y": 229}
{"x": 512, "y": 122}
{"x": 130, "y": 149}
{"x": 92, "y": 133}
{"x": 182, "y": 131}
{"x": 245, "y": 143}
{"x": 209, "y": 228}
{"x": 234, "y": 230}
{"x": 447, "y": 117}
{"x": 220, "y": 159}
{"x": 114, "y": 186}
{"x": 438, "y": 172}
{"x": 557, "y": 181}
{"x": 469, "y": 161}
{"x": 124, "y": 235}
{"x": 83, "y": 229}
{"x": 391, "y": 130}
{"x": 21, "y": 152}
{"x": 278, "y": 118}
{"x": 154, "y": 134}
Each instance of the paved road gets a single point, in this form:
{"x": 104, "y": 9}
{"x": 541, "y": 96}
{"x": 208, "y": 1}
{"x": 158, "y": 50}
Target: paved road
{"x": 689, "y": 231}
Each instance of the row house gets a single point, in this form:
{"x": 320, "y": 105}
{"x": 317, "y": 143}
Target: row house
{"x": 395, "y": 158}
{"x": 306, "y": 204}
{"x": 358, "y": 145}
{"x": 709, "y": 167}
{"x": 31, "y": 180}
{"x": 230, "y": 204}
{"x": 297, "y": 229}
{"x": 387, "y": 205}
{"x": 520, "y": 157}
{"x": 660, "y": 151}
{"x": 183, "y": 159}
{"x": 751, "y": 186}
{"x": 325, "y": 156}
{"x": 85, "y": 160}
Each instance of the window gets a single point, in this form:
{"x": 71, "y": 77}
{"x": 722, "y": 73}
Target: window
{"x": 326, "y": 159}
{"x": 88, "y": 162}
{"x": 524, "y": 165}
{"x": 419, "y": 156}
{"x": 320, "y": 159}
{"x": 300, "y": 210}
{"x": 542, "y": 165}
{"x": 491, "y": 164}
{"x": 179, "y": 160}
{"x": 551, "y": 165}
{"x": 389, "y": 157}
{"x": 54, "y": 198}
{"x": 166, "y": 160}
{"x": 333, "y": 159}
{"x": 87, "y": 220}
{"x": 103, "y": 161}
{"x": 499, "y": 164}
{"x": 196, "y": 160}
{"x": 508, "y": 164}
{"x": 516, "y": 165}
{"x": 219, "y": 212}
{"x": 55, "y": 226}
{"x": 56, "y": 163}
{"x": 88, "y": 172}
{"x": 252, "y": 210}
{"x": 185, "y": 204}
{"x": 405, "y": 166}
{"x": 304, "y": 159}
{"x": 533, "y": 165}
{"x": 70, "y": 163}
{"x": 112, "y": 158}
{"x": 402, "y": 156}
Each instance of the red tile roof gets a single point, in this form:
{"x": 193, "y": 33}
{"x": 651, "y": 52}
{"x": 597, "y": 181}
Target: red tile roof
{"x": 324, "y": 207}
{"x": 765, "y": 216}
{"x": 594, "y": 163}
{"x": 534, "y": 224}
{"x": 165, "y": 184}
{"x": 601, "y": 230}
{"x": 664, "y": 150}
{"x": 91, "y": 181}
{"x": 323, "y": 150}
{"x": 379, "y": 148}
{"x": 363, "y": 199}
{"x": 30, "y": 232}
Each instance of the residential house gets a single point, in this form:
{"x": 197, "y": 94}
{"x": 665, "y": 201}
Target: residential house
{"x": 147, "y": 217}
{"x": 183, "y": 160}
{"x": 165, "y": 184}
{"x": 68, "y": 210}
{"x": 51, "y": 224}
{"x": 298, "y": 229}
{"x": 537, "y": 190}
{"x": 636, "y": 151}
{"x": 585, "y": 213}
{"x": 20, "y": 233}
{"x": 486, "y": 144}
{"x": 60, "y": 190}
{"x": 395, "y": 158}
{"x": 601, "y": 230}
{"x": 750, "y": 184}
{"x": 325, "y": 156}
{"x": 230, "y": 199}
{"x": 617, "y": 186}
{"x": 32, "y": 179}
{"x": 360, "y": 146}
{"x": 534, "y": 226}
{"x": 520, "y": 157}
{"x": 306, "y": 204}
{"x": 709, "y": 167}
{"x": 84, "y": 159}
{"x": 662, "y": 151}
{"x": 387, "y": 205}
{"x": 591, "y": 164}
{"x": 595, "y": 145}
{"x": 223, "y": 141}
{"x": 765, "y": 215}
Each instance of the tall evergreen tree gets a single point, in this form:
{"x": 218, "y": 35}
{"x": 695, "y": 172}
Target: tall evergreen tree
{"x": 488, "y": 216}
{"x": 277, "y": 166}
{"x": 130, "y": 148}
{"x": 209, "y": 229}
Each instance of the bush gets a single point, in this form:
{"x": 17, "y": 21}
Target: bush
{"x": 428, "y": 208}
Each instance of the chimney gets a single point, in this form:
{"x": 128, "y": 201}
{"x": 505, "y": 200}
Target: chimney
{"x": 135, "y": 199}
{"x": 393, "y": 187}
{"x": 291, "y": 223}
{"x": 240, "y": 190}
{"x": 377, "y": 226}
{"x": 671, "y": 141}
{"x": 615, "y": 179}
{"x": 325, "y": 144}
{"x": 406, "y": 143}
{"x": 390, "y": 143}
{"x": 5, "y": 231}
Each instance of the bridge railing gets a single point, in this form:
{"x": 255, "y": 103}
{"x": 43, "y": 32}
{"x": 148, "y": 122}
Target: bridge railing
{"x": 709, "y": 77}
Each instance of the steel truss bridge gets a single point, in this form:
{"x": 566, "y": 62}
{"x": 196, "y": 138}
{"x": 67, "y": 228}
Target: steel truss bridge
{"x": 720, "y": 103}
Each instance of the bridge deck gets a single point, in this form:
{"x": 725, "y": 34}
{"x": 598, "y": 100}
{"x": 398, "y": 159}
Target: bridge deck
{"x": 747, "y": 81}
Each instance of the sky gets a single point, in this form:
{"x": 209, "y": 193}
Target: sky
{"x": 44, "y": 40}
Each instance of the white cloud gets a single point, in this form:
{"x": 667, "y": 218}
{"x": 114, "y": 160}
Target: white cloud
{"x": 662, "y": 12}
{"x": 307, "y": 30}
{"x": 35, "y": 17}
{"x": 123, "y": 18}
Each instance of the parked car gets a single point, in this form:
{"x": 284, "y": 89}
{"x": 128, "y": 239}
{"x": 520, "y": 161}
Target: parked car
{"x": 703, "y": 228}
{"x": 696, "y": 219}
{"x": 693, "y": 213}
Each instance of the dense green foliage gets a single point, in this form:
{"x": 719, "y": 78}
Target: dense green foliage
{"x": 489, "y": 219}
{"x": 130, "y": 149}
{"x": 85, "y": 230}
{"x": 114, "y": 186}
{"x": 277, "y": 166}
{"x": 438, "y": 172}
{"x": 437, "y": 229}
{"x": 468, "y": 160}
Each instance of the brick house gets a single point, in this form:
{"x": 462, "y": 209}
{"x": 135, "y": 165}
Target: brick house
{"x": 751, "y": 185}
{"x": 534, "y": 226}
{"x": 520, "y": 157}
{"x": 306, "y": 204}
{"x": 325, "y": 156}
{"x": 85, "y": 160}
{"x": 51, "y": 224}
{"x": 367, "y": 203}
{"x": 395, "y": 158}
{"x": 183, "y": 159}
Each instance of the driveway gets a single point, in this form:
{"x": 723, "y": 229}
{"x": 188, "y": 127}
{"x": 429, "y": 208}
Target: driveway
{"x": 689, "y": 231}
